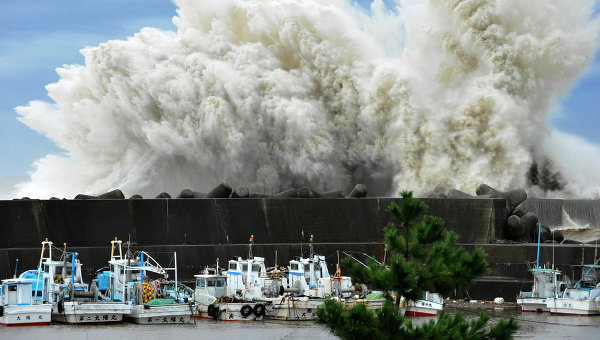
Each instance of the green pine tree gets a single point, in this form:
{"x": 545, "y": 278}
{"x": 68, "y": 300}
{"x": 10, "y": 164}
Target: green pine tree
{"x": 423, "y": 257}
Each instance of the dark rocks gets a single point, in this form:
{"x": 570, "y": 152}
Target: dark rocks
{"x": 360, "y": 190}
{"x": 186, "y": 193}
{"x": 529, "y": 222}
{"x": 289, "y": 193}
{"x": 136, "y": 197}
{"x": 514, "y": 228}
{"x": 84, "y": 197}
{"x": 453, "y": 193}
{"x": 111, "y": 195}
{"x": 240, "y": 192}
{"x": 557, "y": 236}
{"x": 484, "y": 189}
{"x": 307, "y": 192}
{"x": 519, "y": 210}
{"x": 514, "y": 198}
{"x": 545, "y": 234}
{"x": 223, "y": 190}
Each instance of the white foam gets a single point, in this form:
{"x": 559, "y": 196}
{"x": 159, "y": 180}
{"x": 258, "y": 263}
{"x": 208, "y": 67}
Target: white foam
{"x": 270, "y": 94}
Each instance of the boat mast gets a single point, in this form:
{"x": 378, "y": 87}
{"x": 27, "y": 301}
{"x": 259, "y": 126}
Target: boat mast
{"x": 275, "y": 264}
{"x": 73, "y": 267}
{"x": 250, "y": 247}
{"x": 537, "y": 271}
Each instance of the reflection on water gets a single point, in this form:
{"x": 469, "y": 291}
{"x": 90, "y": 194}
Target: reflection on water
{"x": 533, "y": 325}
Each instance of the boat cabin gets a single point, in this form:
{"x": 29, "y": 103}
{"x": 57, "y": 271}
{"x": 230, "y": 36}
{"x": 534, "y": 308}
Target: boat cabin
{"x": 243, "y": 274}
{"x": 310, "y": 270}
{"x": 209, "y": 288}
{"x": 16, "y": 292}
{"x": 590, "y": 276}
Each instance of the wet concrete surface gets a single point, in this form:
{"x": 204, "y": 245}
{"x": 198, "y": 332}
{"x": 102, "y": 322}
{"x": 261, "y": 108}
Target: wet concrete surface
{"x": 533, "y": 326}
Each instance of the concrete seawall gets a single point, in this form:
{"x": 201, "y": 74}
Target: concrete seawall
{"x": 86, "y": 223}
{"x": 201, "y": 230}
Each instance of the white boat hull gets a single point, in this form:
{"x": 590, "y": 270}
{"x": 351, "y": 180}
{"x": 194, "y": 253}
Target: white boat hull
{"x": 566, "y": 306}
{"x": 304, "y": 309}
{"x": 228, "y": 311}
{"x": 26, "y": 315}
{"x": 293, "y": 309}
{"x": 423, "y": 308}
{"x": 160, "y": 314}
{"x": 535, "y": 305}
{"x": 90, "y": 312}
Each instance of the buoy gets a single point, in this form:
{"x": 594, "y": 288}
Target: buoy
{"x": 499, "y": 300}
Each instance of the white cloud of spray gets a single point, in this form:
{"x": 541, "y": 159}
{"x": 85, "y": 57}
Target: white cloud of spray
{"x": 273, "y": 94}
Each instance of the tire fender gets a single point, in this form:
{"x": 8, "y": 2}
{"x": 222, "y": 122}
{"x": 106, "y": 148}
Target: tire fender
{"x": 246, "y": 311}
{"x": 259, "y": 310}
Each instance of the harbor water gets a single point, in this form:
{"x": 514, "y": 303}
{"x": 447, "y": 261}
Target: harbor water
{"x": 533, "y": 326}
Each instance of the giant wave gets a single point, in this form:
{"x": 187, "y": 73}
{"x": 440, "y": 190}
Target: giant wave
{"x": 427, "y": 96}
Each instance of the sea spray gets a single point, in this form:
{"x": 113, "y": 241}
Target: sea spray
{"x": 272, "y": 94}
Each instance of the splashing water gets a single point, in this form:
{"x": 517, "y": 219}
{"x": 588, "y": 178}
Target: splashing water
{"x": 272, "y": 94}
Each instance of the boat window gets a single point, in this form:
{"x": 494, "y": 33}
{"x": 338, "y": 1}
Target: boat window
{"x": 255, "y": 267}
{"x": 12, "y": 288}
{"x": 245, "y": 267}
{"x": 201, "y": 283}
{"x": 46, "y": 268}
{"x": 220, "y": 283}
{"x": 211, "y": 283}
{"x": 232, "y": 266}
{"x": 294, "y": 266}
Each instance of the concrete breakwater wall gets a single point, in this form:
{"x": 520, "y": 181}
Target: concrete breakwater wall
{"x": 88, "y": 223}
{"x": 201, "y": 230}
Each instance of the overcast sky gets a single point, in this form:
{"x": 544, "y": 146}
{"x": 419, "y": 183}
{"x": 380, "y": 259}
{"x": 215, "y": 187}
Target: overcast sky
{"x": 37, "y": 36}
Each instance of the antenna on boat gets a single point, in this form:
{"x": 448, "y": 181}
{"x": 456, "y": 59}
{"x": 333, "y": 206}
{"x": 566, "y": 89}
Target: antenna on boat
{"x": 49, "y": 258}
{"x": 114, "y": 244}
{"x": 217, "y": 269}
{"x": 16, "y": 266}
{"x": 537, "y": 266}
{"x": 310, "y": 244}
{"x": 338, "y": 270}
{"x": 301, "y": 252}
{"x": 275, "y": 264}
{"x": 552, "y": 250}
{"x": 250, "y": 246}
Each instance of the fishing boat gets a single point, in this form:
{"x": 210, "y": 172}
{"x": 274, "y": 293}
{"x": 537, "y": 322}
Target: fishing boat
{"x": 72, "y": 300}
{"x": 583, "y": 298}
{"x": 17, "y": 307}
{"x": 307, "y": 285}
{"x": 150, "y": 302}
{"x": 213, "y": 301}
{"x": 239, "y": 295}
{"x": 430, "y": 304}
{"x": 546, "y": 282}
{"x": 546, "y": 285}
